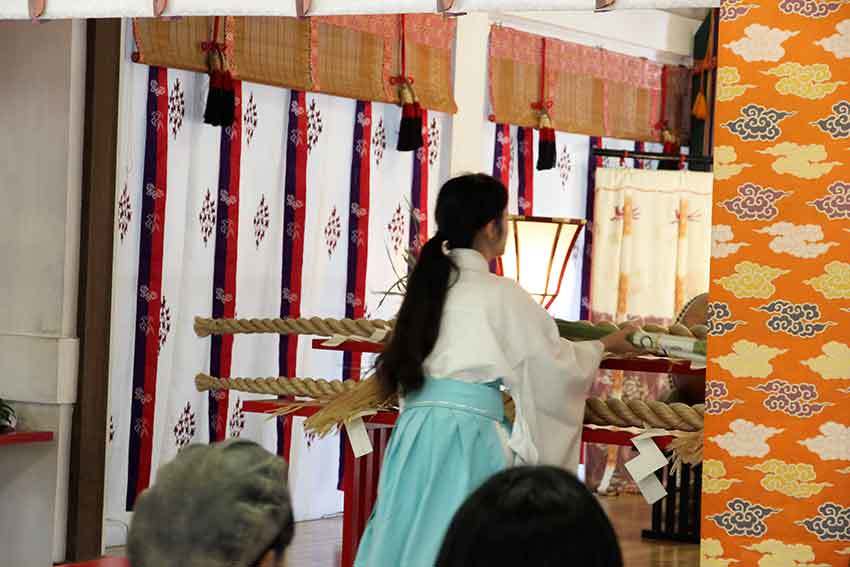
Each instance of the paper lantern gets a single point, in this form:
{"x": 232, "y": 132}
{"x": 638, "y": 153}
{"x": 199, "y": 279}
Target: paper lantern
{"x": 537, "y": 252}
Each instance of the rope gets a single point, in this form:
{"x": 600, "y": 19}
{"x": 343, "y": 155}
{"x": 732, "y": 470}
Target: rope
{"x": 620, "y": 413}
{"x": 366, "y": 328}
{"x": 640, "y": 413}
{"x": 362, "y": 328}
{"x": 318, "y": 389}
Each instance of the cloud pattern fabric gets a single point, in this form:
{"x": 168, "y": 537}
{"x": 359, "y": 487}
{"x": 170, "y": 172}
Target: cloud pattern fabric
{"x": 777, "y": 450}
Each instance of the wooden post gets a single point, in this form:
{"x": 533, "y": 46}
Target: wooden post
{"x": 89, "y": 430}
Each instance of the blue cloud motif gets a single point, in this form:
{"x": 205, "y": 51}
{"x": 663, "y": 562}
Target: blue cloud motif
{"x": 796, "y": 319}
{"x": 831, "y": 524}
{"x": 758, "y": 123}
{"x": 718, "y": 319}
{"x": 743, "y": 518}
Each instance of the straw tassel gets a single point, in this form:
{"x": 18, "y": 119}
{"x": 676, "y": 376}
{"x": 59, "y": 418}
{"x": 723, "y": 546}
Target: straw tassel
{"x": 410, "y": 131}
{"x": 546, "y": 151}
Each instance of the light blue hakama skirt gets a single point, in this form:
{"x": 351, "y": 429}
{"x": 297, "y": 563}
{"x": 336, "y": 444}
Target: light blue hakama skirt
{"x": 445, "y": 445}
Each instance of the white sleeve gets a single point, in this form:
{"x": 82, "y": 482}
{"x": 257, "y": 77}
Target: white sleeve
{"x": 549, "y": 383}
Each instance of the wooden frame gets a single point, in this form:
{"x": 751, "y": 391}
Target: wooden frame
{"x": 89, "y": 430}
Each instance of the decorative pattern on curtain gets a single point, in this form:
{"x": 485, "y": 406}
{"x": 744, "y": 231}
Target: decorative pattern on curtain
{"x": 349, "y": 56}
{"x": 270, "y": 216}
{"x": 593, "y": 91}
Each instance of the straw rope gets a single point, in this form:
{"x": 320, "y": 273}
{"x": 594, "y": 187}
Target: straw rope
{"x": 318, "y": 389}
{"x": 620, "y": 413}
{"x": 362, "y": 328}
{"x": 365, "y": 328}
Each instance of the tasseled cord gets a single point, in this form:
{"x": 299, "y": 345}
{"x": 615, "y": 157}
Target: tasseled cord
{"x": 410, "y": 132}
{"x": 700, "y": 107}
{"x": 221, "y": 98}
{"x": 546, "y": 150}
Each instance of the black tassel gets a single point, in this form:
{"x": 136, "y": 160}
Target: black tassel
{"x": 212, "y": 112}
{"x": 228, "y": 100}
{"x": 546, "y": 151}
{"x": 410, "y": 131}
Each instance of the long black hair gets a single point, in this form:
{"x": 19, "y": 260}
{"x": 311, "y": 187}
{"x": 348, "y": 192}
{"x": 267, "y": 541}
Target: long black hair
{"x": 541, "y": 516}
{"x": 465, "y": 205}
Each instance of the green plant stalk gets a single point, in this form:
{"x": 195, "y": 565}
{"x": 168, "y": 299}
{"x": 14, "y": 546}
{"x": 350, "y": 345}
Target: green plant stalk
{"x": 582, "y": 331}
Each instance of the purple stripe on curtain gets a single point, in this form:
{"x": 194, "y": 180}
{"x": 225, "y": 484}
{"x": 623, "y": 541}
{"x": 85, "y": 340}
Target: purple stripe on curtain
{"x": 592, "y": 162}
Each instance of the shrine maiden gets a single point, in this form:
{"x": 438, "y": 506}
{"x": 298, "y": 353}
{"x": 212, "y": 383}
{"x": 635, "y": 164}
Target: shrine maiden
{"x": 460, "y": 335}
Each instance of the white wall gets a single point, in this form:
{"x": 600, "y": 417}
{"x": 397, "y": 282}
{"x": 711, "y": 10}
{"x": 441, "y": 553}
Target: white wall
{"x": 41, "y": 119}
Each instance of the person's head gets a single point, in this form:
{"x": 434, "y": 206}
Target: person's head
{"x": 471, "y": 213}
{"x": 530, "y": 516}
{"x": 223, "y": 505}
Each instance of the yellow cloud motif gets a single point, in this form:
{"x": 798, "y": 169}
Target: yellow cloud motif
{"x": 713, "y": 477}
{"x": 778, "y": 554}
{"x": 811, "y": 82}
{"x": 845, "y": 551}
{"x": 834, "y": 283}
{"x": 751, "y": 280}
{"x": 805, "y": 162}
{"x": 844, "y": 471}
{"x": 749, "y": 360}
{"x": 724, "y": 163}
{"x": 833, "y": 364}
{"x": 790, "y": 479}
{"x": 728, "y": 87}
{"x": 711, "y": 554}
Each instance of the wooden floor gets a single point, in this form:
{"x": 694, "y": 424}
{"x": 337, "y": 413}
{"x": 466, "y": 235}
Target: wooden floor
{"x": 317, "y": 543}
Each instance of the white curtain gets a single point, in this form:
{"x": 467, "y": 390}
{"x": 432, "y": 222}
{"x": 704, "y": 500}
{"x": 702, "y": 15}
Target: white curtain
{"x": 222, "y": 238}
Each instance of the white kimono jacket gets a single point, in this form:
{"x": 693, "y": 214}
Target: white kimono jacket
{"x": 491, "y": 329}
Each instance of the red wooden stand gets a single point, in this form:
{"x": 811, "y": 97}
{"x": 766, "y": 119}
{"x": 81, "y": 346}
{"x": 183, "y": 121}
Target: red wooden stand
{"x": 360, "y": 476}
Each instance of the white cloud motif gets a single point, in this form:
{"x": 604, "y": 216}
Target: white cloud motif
{"x": 746, "y": 439}
{"x": 833, "y": 443}
{"x": 761, "y": 43}
{"x": 839, "y": 43}
{"x": 800, "y": 241}
{"x": 721, "y": 241}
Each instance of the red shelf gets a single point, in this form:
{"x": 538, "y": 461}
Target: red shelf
{"x": 23, "y": 437}
{"x": 660, "y": 365}
{"x": 349, "y": 346}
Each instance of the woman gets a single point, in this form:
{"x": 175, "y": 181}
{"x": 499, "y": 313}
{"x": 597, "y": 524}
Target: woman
{"x": 531, "y": 516}
{"x": 461, "y": 333}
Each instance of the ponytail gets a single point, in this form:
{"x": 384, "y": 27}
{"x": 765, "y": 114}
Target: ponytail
{"x": 465, "y": 205}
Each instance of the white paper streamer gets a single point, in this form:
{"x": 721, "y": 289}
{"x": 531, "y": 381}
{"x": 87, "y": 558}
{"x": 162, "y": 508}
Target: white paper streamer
{"x": 643, "y": 467}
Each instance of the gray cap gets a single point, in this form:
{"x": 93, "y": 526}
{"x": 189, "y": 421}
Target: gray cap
{"x": 218, "y": 505}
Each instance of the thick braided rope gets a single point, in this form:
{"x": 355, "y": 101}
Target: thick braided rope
{"x": 640, "y": 413}
{"x": 363, "y": 328}
{"x": 305, "y": 387}
{"x": 620, "y": 413}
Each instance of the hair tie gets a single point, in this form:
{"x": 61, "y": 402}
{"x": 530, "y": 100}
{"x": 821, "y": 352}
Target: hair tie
{"x": 444, "y": 246}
